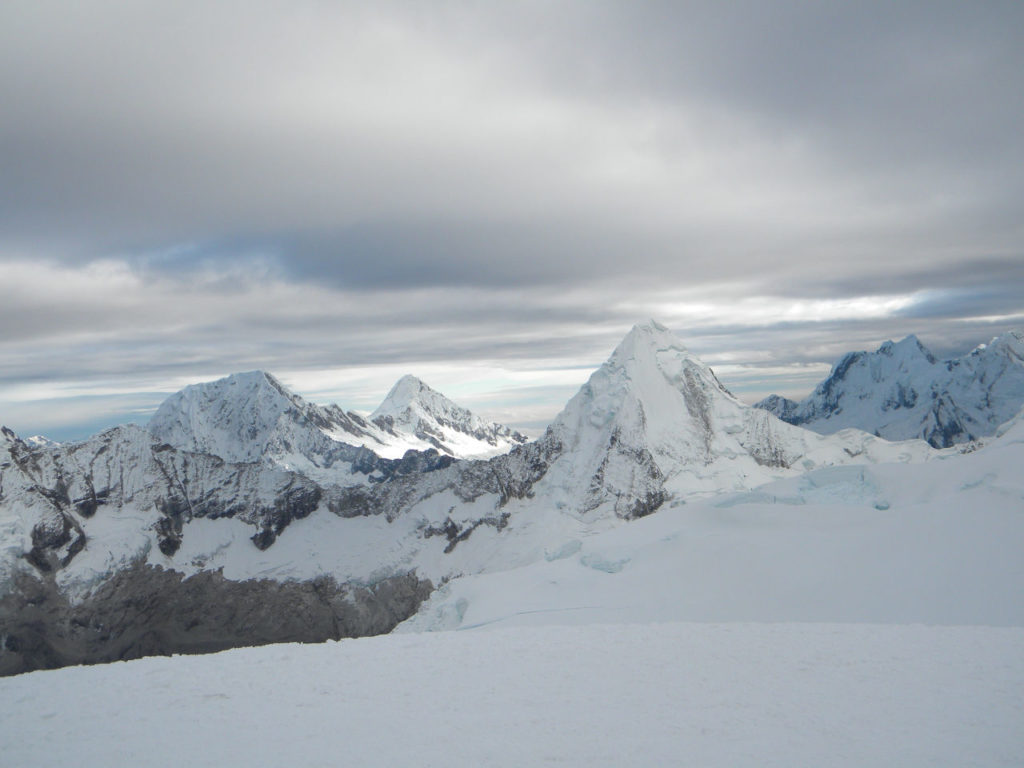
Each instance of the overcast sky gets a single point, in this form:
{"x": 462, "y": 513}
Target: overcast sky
{"x": 489, "y": 194}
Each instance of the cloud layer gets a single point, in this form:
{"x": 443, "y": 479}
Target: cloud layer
{"x": 195, "y": 188}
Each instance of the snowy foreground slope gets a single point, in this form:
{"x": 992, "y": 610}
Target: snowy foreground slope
{"x": 902, "y": 391}
{"x": 641, "y": 695}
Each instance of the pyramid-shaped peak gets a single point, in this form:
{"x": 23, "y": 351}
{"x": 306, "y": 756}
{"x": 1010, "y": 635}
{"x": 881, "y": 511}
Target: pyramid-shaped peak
{"x": 645, "y": 340}
{"x": 910, "y": 342}
{"x": 410, "y": 391}
{"x": 407, "y": 389}
{"x": 412, "y": 407}
{"x": 650, "y": 325}
{"x": 650, "y": 384}
{"x": 654, "y": 331}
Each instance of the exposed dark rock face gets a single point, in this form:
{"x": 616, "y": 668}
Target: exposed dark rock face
{"x": 147, "y": 611}
{"x": 296, "y": 502}
{"x": 125, "y": 465}
{"x": 510, "y": 476}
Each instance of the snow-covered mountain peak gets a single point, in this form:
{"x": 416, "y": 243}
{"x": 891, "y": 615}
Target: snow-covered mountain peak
{"x": 651, "y": 356}
{"x": 646, "y": 414}
{"x": 1009, "y": 344}
{"x": 864, "y": 370}
{"x": 643, "y": 343}
{"x": 409, "y": 392}
{"x": 902, "y": 391}
{"x": 248, "y": 417}
{"x": 909, "y": 348}
{"x": 651, "y": 391}
{"x": 406, "y": 389}
{"x": 414, "y": 408}
{"x": 651, "y": 362}
{"x": 655, "y": 421}
{"x": 233, "y": 417}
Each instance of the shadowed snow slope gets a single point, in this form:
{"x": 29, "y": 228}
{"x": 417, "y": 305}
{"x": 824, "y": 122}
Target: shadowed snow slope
{"x": 902, "y": 391}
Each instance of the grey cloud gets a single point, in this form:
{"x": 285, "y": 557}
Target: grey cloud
{"x": 918, "y": 76}
{"x": 951, "y": 287}
{"x": 312, "y": 185}
{"x": 142, "y": 128}
{"x": 983, "y": 270}
{"x": 436, "y": 253}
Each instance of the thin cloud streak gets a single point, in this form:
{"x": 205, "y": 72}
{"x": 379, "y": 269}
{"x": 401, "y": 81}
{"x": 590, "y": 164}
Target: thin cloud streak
{"x": 486, "y": 348}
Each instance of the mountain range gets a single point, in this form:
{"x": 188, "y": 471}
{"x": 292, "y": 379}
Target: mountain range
{"x": 253, "y": 417}
{"x": 244, "y": 514}
{"x": 902, "y": 391}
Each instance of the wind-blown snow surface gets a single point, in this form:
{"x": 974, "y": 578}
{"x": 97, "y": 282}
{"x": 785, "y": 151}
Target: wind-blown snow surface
{"x": 657, "y": 694}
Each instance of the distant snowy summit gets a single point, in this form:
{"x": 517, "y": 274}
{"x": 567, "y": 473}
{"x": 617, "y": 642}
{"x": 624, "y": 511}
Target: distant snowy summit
{"x": 251, "y": 416}
{"x": 902, "y": 391}
{"x": 413, "y": 409}
{"x": 40, "y": 441}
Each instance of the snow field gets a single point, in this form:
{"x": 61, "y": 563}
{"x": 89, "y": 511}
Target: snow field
{"x": 599, "y": 695}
